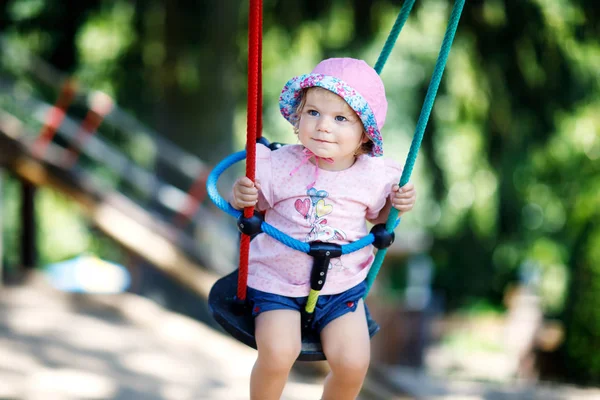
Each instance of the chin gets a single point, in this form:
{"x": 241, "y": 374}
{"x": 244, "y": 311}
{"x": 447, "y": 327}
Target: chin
{"x": 321, "y": 152}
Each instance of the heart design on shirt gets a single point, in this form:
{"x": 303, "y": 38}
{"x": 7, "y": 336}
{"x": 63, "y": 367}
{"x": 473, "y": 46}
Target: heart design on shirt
{"x": 323, "y": 209}
{"x": 316, "y": 195}
{"x": 302, "y": 206}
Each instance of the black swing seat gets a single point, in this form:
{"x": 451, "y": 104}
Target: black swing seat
{"x": 240, "y": 325}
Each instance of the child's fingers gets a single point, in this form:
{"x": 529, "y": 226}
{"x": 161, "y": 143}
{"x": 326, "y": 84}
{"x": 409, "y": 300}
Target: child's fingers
{"x": 246, "y": 201}
{"x": 402, "y": 202}
{"x": 403, "y": 207}
{"x": 244, "y": 204}
{"x": 247, "y": 190}
{"x": 406, "y": 192}
{"x": 247, "y": 196}
{"x": 408, "y": 188}
{"x": 245, "y": 185}
{"x": 245, "y": 181}
{"x": 404, "y": 199}
{"x": 243, "y": 200}
{"x": 245, "y": 193}
{"x": 405, "y": 196}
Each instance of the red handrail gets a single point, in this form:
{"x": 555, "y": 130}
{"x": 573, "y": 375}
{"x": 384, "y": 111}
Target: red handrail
{"x": 55, "y": 117}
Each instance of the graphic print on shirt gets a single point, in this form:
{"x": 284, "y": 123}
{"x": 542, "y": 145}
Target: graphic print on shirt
{"x": 315, "y": 210}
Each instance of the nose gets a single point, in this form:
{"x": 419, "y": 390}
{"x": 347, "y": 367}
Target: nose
{"x": 323, "y": 125}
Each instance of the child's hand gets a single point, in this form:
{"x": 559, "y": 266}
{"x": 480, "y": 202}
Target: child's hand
{"x": 245, "y": 193}
{"x": 403, "y": 199}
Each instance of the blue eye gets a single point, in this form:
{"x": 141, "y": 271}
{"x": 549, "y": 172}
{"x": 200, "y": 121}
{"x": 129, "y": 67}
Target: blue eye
{"x": 340, "y": 118}
{"x": 313, "y": 113}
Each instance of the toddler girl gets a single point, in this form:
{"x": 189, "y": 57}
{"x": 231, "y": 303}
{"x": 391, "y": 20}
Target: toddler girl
{"x": 323, "y": 189}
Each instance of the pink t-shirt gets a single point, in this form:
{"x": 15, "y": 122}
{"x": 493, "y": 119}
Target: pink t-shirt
{"x": 334, "y": 210}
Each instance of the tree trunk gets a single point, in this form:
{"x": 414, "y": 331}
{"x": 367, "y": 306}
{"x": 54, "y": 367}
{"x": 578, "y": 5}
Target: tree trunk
{"x": 200, "y": 119}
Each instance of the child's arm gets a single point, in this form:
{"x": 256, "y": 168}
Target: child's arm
{"x": 244, "y": 193}
{"x": 403, "y": 200}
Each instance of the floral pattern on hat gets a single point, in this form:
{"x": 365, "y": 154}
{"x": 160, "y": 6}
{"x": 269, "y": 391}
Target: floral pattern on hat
{"x": 290, "y": 98}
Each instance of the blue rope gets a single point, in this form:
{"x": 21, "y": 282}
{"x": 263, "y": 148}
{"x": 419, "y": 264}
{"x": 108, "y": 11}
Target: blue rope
{"x": 213, "y": 194}
{"x": 393, "y": 36}
{"x": 440, "y": 64}
{"x": 213, "y": 178}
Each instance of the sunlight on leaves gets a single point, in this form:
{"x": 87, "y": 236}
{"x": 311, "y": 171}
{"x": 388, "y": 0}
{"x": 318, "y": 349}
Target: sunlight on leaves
{"x": 582, "y": 130}
{"x": 63, "y": 231}
{"x": 494, "y": 12}
{"x": 549, "y": 257}
{"x": 528, "y": 63}
{"x": 465, "y": 82}
{"x": 560, "y": 15}
{"x": 338, "y": 27}
{"x": 506, "y": 256}
{"x": 107, "y": 35}
{"x": 20, "y": 10}
{"x": 102, "y": 41}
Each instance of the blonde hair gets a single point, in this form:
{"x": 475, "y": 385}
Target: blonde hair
{"x": 365, "y": 148}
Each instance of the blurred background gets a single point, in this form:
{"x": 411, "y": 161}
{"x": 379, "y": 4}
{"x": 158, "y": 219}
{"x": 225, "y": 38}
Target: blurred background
{"x": 113, "y": 112}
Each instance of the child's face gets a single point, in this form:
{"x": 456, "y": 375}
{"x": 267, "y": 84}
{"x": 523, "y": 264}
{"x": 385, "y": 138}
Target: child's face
{"x": 330, "y": 128}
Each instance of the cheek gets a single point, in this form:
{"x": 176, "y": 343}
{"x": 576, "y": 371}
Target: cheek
{"x": 303, "y": 130}
{"x": 303, "y": 125}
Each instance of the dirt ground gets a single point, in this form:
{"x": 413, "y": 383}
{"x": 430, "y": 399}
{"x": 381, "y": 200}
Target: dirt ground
{"x": 57, "y": 346}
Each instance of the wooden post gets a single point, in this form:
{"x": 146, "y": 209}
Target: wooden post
{"x": 28, "y": 233}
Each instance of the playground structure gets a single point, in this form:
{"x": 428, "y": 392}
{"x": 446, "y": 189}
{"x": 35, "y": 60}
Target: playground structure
{"x": 48, "y": 145}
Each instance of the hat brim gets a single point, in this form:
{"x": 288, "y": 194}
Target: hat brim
{"x": 291, "y": 96}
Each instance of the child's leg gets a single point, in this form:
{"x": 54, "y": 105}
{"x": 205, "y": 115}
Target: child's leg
{"x": 279, "y": 343}
{"x": 346, "y": 344}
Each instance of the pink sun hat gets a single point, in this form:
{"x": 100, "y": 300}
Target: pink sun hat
{"x": 351, "y": 79}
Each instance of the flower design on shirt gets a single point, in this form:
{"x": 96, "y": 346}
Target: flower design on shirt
{"x": 315, "y": 209}
{"x": 337, "y": 263}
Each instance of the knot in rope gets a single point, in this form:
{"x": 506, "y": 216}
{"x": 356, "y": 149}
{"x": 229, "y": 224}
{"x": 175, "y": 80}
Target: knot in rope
{"x": 307, "y": 156}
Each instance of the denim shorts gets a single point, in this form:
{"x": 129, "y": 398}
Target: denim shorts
{"x": 328, "y": 308}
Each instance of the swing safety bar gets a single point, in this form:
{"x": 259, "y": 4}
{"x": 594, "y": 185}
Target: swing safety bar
{"x": 270, "y": 230}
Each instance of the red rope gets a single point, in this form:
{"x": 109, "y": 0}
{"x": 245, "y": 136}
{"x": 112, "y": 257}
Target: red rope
{"x": 253, "y": 118}
{"x": 260, "y": 76}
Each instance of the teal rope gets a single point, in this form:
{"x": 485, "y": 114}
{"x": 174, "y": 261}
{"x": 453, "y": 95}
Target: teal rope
{"x": 393, "y": 36}
{"x": 420, "y": 128}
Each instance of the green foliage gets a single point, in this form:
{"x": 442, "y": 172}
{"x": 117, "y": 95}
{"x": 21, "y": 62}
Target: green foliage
{"x": 476, "y": 307}
{"x": 471, "y": 341}
{"x": 508, "y": 171}
{"x": 104, "y": 39}
{"x": 583, "y": 319}
{"x": 11, "y": 202}
{"x": 62, "y": 229}
{"x": 25, "y": 9}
